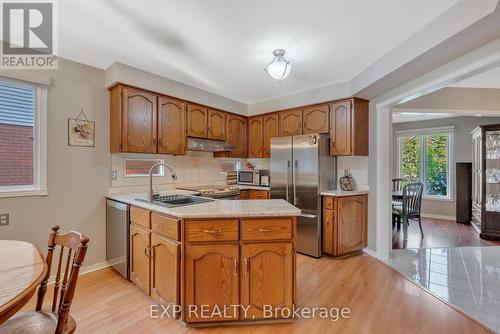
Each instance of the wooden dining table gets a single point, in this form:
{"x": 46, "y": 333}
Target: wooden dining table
{"x": 22, "y": 269}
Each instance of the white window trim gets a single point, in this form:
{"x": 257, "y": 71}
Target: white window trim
{"x": 39, "y": 188}
{"x": 450, "y": 130}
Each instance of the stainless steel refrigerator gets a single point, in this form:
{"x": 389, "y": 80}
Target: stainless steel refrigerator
{"x": 301, "y": 168}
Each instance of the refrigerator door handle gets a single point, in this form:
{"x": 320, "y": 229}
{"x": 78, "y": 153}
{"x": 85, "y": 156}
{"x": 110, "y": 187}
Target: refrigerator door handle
{"x": 287, "y": 195}
{"x": 296, "y": 176}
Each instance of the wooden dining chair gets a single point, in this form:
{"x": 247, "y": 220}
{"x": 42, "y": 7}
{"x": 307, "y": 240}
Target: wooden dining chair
{"x": 72, "y": 249}
{"x": 397, "y": 185}
{"x": 411, "y": 206}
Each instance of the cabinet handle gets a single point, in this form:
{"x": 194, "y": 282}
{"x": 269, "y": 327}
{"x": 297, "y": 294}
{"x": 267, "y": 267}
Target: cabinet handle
{"x": 235, "y": 267}
{"x": 274, "y": 229}
{"x": 217, "y": 231}
{"x": 160, "y": 141}
{"x": 247, "y": 264}
{"x": 147, "y": 251}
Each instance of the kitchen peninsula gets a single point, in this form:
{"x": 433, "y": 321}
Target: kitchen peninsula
{"x": 209, "y": 257}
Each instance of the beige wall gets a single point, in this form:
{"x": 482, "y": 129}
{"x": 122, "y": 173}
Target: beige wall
{"x": 77, "y": 177}
{"x": 463, "y": 153}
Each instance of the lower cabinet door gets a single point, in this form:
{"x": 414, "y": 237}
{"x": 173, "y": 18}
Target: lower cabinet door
{"x": 139, "y": 257}
{"x": 267, "y": 280}
{"x": 212, "y": 279}
{"x": 352, "y": 224}
{"x": 165, "y": 271}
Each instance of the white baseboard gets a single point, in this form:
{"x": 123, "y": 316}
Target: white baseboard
{"x": 85, "y": 270}
{"x": 427, "y": 215}
{"x": 370, "y": 252}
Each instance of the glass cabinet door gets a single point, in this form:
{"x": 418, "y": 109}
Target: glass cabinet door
{"x": 492, "y": 142}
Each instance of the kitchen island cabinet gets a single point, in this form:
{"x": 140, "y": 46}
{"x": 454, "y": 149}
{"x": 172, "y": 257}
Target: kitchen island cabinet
{"x": 208, "y": 265}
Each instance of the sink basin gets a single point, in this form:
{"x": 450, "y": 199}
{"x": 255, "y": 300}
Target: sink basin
{"x": 171, "y": 201}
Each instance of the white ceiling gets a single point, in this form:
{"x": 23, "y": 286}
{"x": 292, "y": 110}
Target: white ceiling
{"x": 222, "y": 46}
{"x": 488, "y": 79}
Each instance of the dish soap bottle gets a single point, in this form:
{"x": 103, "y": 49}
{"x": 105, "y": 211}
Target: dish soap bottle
{"x": 346, "y": 181}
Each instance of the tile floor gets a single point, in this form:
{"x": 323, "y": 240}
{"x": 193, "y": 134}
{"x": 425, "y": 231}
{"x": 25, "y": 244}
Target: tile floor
{"x": 467, "y": 277}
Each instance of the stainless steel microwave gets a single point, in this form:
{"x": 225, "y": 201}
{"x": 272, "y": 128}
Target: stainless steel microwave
{"x": 251, "y": 176}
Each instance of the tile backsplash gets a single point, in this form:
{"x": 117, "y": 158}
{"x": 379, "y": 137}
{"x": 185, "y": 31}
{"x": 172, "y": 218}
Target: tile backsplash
{"x": 194, "y": 168}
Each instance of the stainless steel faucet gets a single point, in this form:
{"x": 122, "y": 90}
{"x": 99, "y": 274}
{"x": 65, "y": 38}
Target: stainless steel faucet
{"x": 173, "y": 175}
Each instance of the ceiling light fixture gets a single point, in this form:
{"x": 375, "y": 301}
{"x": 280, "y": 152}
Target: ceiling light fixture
{"x": 280, "y": 67}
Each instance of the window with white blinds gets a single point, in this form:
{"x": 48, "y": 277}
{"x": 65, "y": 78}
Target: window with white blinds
{"x": 22, "y": 138}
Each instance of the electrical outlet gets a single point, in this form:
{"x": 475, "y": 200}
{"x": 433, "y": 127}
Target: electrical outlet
{"x": 114, "y": 175}
{"x": 4, "y": 219}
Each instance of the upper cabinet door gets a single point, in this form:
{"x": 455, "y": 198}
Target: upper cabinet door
{"x": 340, "y": 128}
{"x": 237, "y": 135}
{"x": 352, "y": 224}
{"x": 316, "y": 119}
{"x": 139, "y": 121}
{"x": 197, "y": 119}
{"x": 216, "y": 124}
{"x": 270, "y": 130}
{"x": 171, "y": 126}
{"x": 212, "y": 280}
{"x": 255, "y": 137}
{"x": 266, "y": 277}
{"x": 290, "y": 123}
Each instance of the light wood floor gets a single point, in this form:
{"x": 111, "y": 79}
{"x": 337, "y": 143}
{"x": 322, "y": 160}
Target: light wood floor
{"x": 439, "y": 233}
{"x": 381, "y": 301}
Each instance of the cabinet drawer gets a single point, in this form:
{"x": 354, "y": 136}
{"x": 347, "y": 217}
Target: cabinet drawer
{"x": 267, "y": 229}
{"x": 328, "y": 202}
{"x": 140, "y": 216}
{"x": 259, "y": 194}
{"x": 165, "y": 226}
{"x": 212, "y": 230}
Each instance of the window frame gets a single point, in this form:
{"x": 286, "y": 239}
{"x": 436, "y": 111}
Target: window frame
{"x": 39, "y": 186}
{"x": 422, "y": 133}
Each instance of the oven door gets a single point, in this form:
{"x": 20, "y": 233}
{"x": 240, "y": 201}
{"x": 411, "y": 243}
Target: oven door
{"x": 248, "y": 177}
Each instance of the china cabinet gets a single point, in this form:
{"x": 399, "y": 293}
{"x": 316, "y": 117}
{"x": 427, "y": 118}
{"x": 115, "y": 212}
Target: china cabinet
{"x": 486, "y": 180}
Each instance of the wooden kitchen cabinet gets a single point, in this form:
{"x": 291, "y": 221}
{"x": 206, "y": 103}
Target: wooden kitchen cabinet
{"x": 165, "y": 270}
{"x": 290, "y": 122}
{"x": 236, "y": 135}
{"x": 197, "y": 121}
{"x": 171, "y": 126}
{"x": 270, "y": 129}
{"x": 345, "y": 224}
{"x": 349, "y": 128}
{"x": 216, "y": 124}
{"x": 315, "y": 119}
{"x": 212, "y": 278}
{"x": 254, "y": 194}
{"x": 133, "y": 120}
{"x": 255, "y": 137}
{"x": 140, "y": 266}
{"x": 267, "y": 276}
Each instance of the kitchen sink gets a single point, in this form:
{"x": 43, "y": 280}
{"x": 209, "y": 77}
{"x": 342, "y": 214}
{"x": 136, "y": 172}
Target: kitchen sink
{"x": 171, "y": 201}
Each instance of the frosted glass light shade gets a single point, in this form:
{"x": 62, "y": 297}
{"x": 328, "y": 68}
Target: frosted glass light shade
{"x": 279, "y": 68}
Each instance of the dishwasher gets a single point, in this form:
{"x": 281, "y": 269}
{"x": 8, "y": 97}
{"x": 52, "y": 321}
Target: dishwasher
{"x": 117, "y": 236}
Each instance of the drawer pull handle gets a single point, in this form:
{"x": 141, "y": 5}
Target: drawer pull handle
{"x": 217, "y": 231}
{"x": 274, "y": 229}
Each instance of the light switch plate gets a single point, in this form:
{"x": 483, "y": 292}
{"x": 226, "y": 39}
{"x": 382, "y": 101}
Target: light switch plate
{"x": 4, "y": 219}
{"x": 114, "y": 175}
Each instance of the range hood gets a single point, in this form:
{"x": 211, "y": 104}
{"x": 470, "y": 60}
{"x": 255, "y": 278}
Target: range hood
{"x": 207, "y": 145}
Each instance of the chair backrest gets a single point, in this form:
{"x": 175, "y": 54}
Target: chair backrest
{"x": 397, "y": 184}
{"x": 74, "y": 244}
{"x": 412, "y": 198}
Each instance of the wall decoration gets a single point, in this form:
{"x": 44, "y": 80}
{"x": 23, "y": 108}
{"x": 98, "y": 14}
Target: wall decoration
{"x": 81, "y": 131}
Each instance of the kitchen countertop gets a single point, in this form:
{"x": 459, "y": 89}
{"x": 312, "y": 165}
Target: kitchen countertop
{"x": 342, "y": 193}
{"x": 215, "y": 209}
